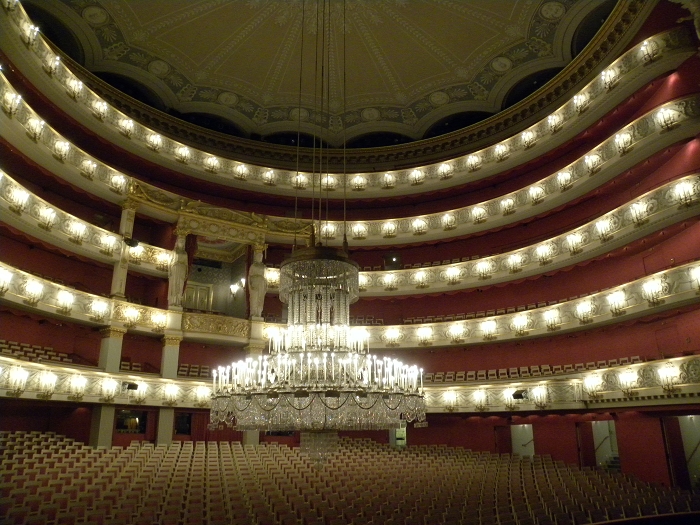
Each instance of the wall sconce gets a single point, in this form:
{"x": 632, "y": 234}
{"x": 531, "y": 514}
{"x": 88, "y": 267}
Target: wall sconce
{"x": 520, "y": 324}
{"x": 107, "y": 244}
{"x": 117, "y": 183}
{"x": 448, "y": 221}
{"x": 537, "y": 194}
{"x": 269, "y": 177}
{"x": 592, "y": 385}
{"x": 237, "y": 286}
{"x": 479, "y": 214}
{"x": 694, "y": 276}
{"x": 76, "y": 387}
{"x": 126, "y": 126}
{"x": 99, "y": 310}
{"x": 363, "y": 282}
{"x": 669, "y": 376}
{"x": 649, "y": 50}
{"x": 603, "y": 228}
{"x": 61, "y": 149}
{"x": 28, "y": 32}
{"x": 453, "y": 274}
{"x": 639, "y": 212}
{"x": 489, "y": 328}
{"x": 515, "y": 262}
{"x": 666, "y": 118}
{"x": 508, "y": 399}
{"x": 183, "y": 154}
{"x": 473, "y": 162}
{"x": 528, "y": 139}
{"x": 139, "y": 394}
{"x": 18, "y": 199}
{"x": 539, "y": 396}
{"x": 416, "y": 177}
{"x": 593, "y": 163}
{"x": 610, "y": 78}
{"x": 136, "y": 253}
{"x": 240, "y": 172}
{"x": 653, "y": 290}
{"x": 457, "y": 332}
{"x": 328, "y": 183}
{"x": 390, "y": 282}
{"x": 5, "y": 280}
{"x": 684, "y": 192}
{"x": 450, "y": 399}
{"x": 35, "y": 128}
{"x": 154, "y": 141}
{"x": 99, "y": 108}
{"x": 88, "y": 168}
{"x": 501, "y": 152}
{"x": 47, "y": 384}
{"x": 628, "y": 382}
{"x": 581, "y": 102}
{"x": 202, "y": 396}
{"x": 17, "y": 380}
{"x": 64, "y": 301}
{"x": 552, "y": 318}
{"x": 392, "y": 336}
{"x": 574, "y": 242}
{"x": 480, "y": 398}
{"x": 564, "y": 180}
{"x": 77, "y": 232}
{"x": 33, "y": 291}
{"x": 211, "y": 164}
{"x": 389, "y": 229}
{"x": 484, "y": 269}
{"x": 544, "y": 252}
{"x": 445, "y": 170}
{"x": 328, "y": 230}
{"x": 163, "y": 260}
{"x": 300, "y": 181}
{"x": 9, "y": 4}
{"x": 131, "y": 316}
{"x": 359, "y": 230}
{"x": 623, "y": 142}
{"x": 74, "y": 87}
{"x": 555, "y": 122}
{"x": 424, "y": 335}
{"x": 419, "y": 226}
{"x": 420, "y": 279}
{"x": 584, "y": 311}
{"x": 358, "y": 183}
{"x": 108, "y": 389}
{"x": 272, "y": 276}
{"x": 617, "y": 301}
{"x": 159, "y": 320}
{"x": 388, "y": 181}
{"x": 507, "y": 206}
{"x": 11, "y": 103}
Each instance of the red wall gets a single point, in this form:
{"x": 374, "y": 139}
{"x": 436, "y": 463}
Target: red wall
{"x": 69, "y": 420}
{"x": 640, "y": 443}
{"x": 556, "y": 435}
{"x": 144, "y": 350}
{"x": 193, "y": 353}
{"x": 475, "y": 433}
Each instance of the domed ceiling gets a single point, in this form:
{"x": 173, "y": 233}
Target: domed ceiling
{"x": 414, "y": 68}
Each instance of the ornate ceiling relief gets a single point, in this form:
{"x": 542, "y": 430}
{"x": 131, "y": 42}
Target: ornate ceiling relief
{"x": 409, "y": 63}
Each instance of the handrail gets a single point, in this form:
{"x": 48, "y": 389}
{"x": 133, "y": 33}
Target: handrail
{"x": 601, "y": 443}
{"x": 693, "y": 452}
{"x": 526, "y": 444}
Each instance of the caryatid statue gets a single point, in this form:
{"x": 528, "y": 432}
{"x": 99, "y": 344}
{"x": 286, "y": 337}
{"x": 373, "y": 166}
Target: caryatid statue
{"x": 177, "y": 273}
{"x": 257, "y": 285}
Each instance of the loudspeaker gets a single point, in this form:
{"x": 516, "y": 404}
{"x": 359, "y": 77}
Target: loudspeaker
{"x": 520, "y": 394}
{"x": 127, "y": 385}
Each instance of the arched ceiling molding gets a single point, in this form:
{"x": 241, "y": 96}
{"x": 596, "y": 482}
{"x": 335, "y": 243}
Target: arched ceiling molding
{"x": 626, "y": 17}
{"x": 547, "y": 40}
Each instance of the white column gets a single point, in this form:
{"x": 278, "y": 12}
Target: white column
{"x": 121, "y": 267}
{"x": 170, "y": 356}
{"x": 102, "y": 426}
{"x": 111, "y": 348}
{"x": 166, "y": 426}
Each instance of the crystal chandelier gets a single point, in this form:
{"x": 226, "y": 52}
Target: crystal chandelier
{"x": 317, "y": 375}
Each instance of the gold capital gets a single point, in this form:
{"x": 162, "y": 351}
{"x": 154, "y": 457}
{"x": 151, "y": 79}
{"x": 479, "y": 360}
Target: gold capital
{"x": 112, "y": 331}
{"x": 172, "y": 340}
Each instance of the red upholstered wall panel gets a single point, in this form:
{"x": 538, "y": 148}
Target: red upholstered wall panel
{"x": 193, "y": 353}
{"x": 556, "y": 435}
{"x": 144, "y": 350}
{"x": 68, "y": 420}
{"x": 640, "y": 443}
{"x": 475, "y": 433}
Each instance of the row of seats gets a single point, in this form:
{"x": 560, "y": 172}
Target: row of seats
{"x": 27, "y": 352}
{"x": 525, "y": 371}
{"x": 49, "y": 480}
{"x": 185, "y": 370}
